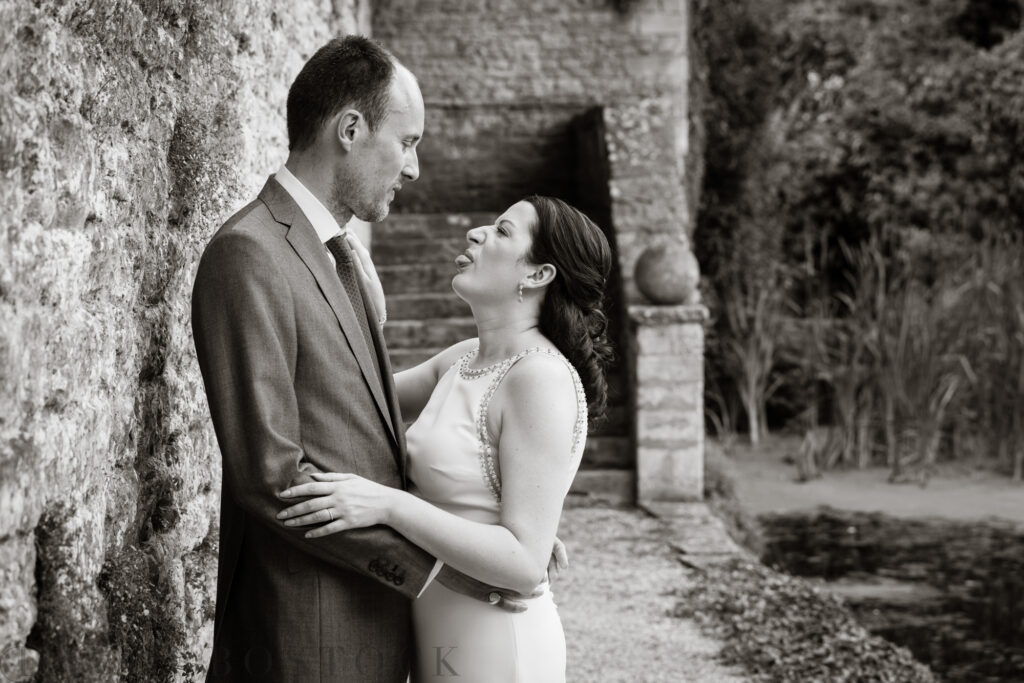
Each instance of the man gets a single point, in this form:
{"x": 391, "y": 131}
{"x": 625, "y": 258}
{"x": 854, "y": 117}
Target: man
{"x": 298, "y": 381}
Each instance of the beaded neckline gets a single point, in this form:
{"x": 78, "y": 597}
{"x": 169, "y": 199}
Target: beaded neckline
{"x": 466, "y": 372}
{"x": 488, "y": 451}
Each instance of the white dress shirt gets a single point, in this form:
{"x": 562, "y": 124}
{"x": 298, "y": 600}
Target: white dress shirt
{"x": 326, "y": 227}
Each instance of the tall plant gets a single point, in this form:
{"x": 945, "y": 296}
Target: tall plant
{"x": 995, "y": 310}
{"x": 922, "y": 373}
{"x": 753, "y": 317}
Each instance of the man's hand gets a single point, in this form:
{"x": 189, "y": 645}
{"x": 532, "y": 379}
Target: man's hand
{"x": 559, "y": 561}
{"x": 368, "y": 274}
{"x": 513, "y": 602}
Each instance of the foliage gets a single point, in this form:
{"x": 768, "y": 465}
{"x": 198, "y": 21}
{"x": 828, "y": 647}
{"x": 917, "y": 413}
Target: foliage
{"x": 862, "y": 171}
{"x": 784, "y": 629}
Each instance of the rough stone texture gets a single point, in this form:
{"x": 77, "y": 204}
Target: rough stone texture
{"x": 130, "y": 130}
{"x": 668, "y": 371}
{"x": 502, "y": 80}
{"x": 648, "y": 197}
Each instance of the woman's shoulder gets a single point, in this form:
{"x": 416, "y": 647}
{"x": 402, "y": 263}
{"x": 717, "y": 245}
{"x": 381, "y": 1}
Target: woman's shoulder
{"x": 540, "y": 373}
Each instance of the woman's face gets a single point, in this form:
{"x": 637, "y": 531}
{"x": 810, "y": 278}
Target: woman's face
{"x": 494, "y": 264}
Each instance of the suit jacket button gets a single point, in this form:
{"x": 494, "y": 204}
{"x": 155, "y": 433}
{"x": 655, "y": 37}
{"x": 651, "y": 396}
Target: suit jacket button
{"x": 399, "y": 580}
{"x": 374, "y": 566}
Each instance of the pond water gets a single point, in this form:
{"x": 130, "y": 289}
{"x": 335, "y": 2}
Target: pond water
{"x": 952, "y": 592}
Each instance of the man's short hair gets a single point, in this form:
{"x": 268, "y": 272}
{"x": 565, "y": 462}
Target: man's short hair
{"x": 350, "y": 72}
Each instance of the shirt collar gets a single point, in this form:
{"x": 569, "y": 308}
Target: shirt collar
{"x": 319, "y": 217}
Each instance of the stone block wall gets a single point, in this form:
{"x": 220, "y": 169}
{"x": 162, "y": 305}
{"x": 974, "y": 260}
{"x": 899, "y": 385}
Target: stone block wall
{"x": 527, "y": 66}
{"x": 586, "y": 100}
{"x": 129, "y": 130}
{"x": 668, "y": 376}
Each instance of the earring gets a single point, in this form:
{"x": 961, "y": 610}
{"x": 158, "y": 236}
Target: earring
{"x": 520, "y": 292}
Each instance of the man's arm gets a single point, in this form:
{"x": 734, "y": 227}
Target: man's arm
{"x": 244, "y": 327}
{"x": 536, "y": 435}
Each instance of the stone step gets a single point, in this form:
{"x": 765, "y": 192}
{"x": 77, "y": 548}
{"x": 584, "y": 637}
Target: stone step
{"x": 616, "y": 422}
{"x": 426, "y": 306}
{"x": 428, "y": 333}
{"x": 421, "y": 278}
{"x": 607, "y": 452}
{"x": 393, "y": 251}
{"x": 428, "y": 226}
{"x": 611, "y": 486}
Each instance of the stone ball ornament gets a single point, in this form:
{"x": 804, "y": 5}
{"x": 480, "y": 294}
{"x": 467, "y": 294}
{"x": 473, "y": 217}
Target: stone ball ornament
{"x": 668, "y": 273}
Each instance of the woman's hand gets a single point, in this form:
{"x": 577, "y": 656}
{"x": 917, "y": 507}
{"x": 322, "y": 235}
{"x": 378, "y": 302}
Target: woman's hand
{"x": 344, "y": 501}
{"x": 368, "y": 273}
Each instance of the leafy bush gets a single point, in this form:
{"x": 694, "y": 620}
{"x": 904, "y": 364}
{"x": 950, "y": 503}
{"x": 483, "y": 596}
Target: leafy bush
{"x": 863, "y": 172}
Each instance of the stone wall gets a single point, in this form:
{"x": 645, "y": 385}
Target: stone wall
{"x": 129, "y": 129}
{"x": 520, "y": 71}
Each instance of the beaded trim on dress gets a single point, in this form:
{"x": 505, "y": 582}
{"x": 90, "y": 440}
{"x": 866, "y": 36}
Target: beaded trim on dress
{"x": 488, "y": 455}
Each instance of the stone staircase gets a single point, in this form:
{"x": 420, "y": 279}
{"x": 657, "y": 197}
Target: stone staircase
{"x": 414, "y": 256}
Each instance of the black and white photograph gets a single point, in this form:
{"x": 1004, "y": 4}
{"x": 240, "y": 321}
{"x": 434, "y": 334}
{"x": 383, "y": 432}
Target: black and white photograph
{"x": 512, "y": 341}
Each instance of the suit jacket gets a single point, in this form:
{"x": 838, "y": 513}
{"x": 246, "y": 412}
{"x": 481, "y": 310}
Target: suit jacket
{"x": 292, "y": 389}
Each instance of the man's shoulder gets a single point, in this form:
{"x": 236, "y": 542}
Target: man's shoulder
{"x": 251, "y": 230}
{"x": 253, "y": 219}
{"x": 253, "y": 225}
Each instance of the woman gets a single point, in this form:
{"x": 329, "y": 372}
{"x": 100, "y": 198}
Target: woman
{"x": 501, "y": 422}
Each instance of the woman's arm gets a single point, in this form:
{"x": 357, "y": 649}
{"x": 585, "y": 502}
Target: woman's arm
{"x": 415, "y": 385}
{"x": 537, "y": 410}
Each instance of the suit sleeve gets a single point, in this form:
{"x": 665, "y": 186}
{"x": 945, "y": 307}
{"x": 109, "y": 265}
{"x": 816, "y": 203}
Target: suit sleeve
{"x": 245, "y": 335}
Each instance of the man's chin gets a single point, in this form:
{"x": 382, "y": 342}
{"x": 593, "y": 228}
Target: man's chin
{"x": 375, "y": 215}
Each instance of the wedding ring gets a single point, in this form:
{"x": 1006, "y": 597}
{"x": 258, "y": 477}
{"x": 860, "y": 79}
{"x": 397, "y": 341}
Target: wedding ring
{"x": 331, "y": 513}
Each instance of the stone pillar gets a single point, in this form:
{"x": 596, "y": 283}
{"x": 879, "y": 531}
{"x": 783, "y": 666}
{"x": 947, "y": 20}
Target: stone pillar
{"x": 668, "y": 378}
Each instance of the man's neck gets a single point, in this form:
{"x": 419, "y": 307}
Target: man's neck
{"x": 308, "y": 172}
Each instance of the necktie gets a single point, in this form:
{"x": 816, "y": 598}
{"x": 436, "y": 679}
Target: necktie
{"x": 350, "y": 281}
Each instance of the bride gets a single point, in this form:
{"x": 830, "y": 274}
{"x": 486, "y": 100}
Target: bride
{"x": 500, "y": 425}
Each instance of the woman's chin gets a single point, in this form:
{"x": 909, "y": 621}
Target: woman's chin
{"x": 459, "y": 291}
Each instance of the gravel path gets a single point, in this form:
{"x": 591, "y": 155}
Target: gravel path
{"x": 614, "y": 603}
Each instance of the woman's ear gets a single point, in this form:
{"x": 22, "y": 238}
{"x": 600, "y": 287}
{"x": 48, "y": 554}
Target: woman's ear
{"x": 348, "y": 128}
{"x": 541, "y": 276}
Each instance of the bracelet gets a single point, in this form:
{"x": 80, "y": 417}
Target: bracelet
{"x": 383, "y": 319}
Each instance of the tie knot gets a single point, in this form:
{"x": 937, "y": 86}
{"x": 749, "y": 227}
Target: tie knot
{"x": 339, "y": 248}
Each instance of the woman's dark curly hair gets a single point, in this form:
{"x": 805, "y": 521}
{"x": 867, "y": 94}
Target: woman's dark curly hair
{"x": 571, "y": 315}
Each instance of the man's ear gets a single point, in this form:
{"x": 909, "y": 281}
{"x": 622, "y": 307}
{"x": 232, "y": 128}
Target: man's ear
{"x": 349, "y": 126}
{"x": 541, "y": 276}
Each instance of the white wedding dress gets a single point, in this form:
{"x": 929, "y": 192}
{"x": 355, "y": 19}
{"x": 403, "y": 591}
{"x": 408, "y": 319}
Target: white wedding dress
{"x": 453, "y": 463}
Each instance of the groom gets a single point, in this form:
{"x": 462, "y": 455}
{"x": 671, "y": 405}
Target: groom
{"x": 298, "y": 381}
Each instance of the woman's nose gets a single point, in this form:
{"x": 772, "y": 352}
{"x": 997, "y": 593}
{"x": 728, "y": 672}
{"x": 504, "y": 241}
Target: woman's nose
{"x": 475, "y": 235}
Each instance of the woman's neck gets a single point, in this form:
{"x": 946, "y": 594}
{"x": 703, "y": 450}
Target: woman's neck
{"x": 504, "y": 335}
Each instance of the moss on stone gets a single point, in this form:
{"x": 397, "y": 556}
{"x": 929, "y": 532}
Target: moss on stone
{"x": 144, "y": 627}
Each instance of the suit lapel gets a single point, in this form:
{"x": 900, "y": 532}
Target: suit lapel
{"x": 307, "y": 245}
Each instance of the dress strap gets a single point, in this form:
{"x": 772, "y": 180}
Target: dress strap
{"x": 489, "y": 452}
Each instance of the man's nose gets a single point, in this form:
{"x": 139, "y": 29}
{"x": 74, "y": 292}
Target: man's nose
{"x": 412, "y": 169}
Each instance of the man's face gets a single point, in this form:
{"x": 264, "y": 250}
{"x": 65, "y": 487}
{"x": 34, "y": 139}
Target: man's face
{"x": 381, "y": 161}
